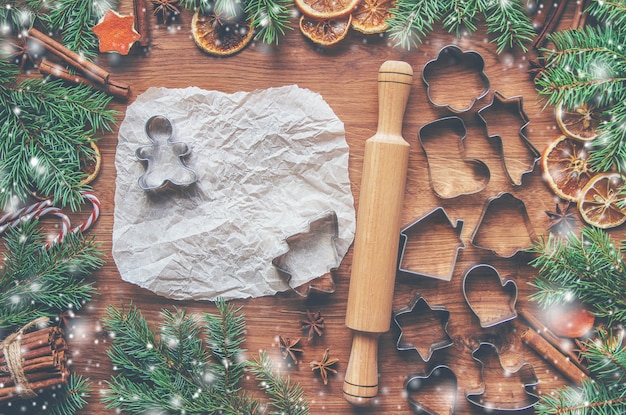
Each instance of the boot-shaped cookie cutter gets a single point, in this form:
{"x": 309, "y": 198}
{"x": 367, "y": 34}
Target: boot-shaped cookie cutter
{"x": 164, "y": 158}
{"x": 422, "y": 316}
{"x": 319, "y": 235}
{"x": 509, "y": 106}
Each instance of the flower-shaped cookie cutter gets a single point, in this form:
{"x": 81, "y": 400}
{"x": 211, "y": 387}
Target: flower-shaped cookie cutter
{"x": 316, "y": 240}
{"x": 442, "y": 377}
{"x": 452, "y": 58}
{"x": 528, "y": 383}
{"x": 164, "y": 158}
{"x": 425, "y": 225}
{"x": 489, "y": 307}
{"x": 422, "y": 316}
{"x": 513, "y": 105}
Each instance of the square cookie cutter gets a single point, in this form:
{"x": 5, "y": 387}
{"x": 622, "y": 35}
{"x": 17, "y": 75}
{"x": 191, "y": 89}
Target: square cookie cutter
{"x": 164, "y": 158}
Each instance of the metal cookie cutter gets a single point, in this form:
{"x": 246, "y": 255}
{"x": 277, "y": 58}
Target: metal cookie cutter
{"x": 491, "y": 298}
{"x": 451, "y": 176}
{"x": 507, "y": 113}
{"x": 451, "y": 66}
{"x": 415, "y": 327}
{"x": 489, "y": 398}
{"x": 493, "y": 231}
{"x": 164, "y": 158}
{"x": 316, "y": 241}
{"x": 436, "y": 231}
{"x": 441, "y": 380}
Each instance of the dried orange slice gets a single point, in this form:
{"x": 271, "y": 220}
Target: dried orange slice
{"x": 92, "y": 166}
{"x": 325, "y": 32}
{"x": 565, "y": 168}
{"x": 371, "y": 16}
{"x": 326, "y": 9}
{"x": 218, "y": 35}
{"x": 581, "y": 123}
{"x": 602, "y": 200}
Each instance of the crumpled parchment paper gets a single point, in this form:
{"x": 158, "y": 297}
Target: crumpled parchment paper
{"x": 267, "y": 162}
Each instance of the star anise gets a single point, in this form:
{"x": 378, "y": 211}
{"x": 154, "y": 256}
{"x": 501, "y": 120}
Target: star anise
{"x": 313, "y": 325}
{"x": 324, "y": 366}
{"x": 165, "y": 7}
{"x": 22, "y": 54}
{"x": 562, "y": 220}
{"x": 289, "y": 348}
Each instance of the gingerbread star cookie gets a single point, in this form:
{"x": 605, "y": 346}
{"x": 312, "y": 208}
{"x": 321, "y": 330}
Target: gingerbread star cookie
{"x": 116, "y": 32}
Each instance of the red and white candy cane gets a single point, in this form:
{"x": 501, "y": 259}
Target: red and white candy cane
{"x": 36, "y": 211}
{"x": 93, "y": 216}
{"x": 26, "y": 210}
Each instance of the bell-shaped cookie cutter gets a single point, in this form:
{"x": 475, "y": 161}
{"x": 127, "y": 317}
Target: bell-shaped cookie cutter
{"x": 489, "y": 308}
{"x": 303, "y": 244}
{"x": 500, "y": 101}
{"x": 416, "y": 307}
{"x": 414, "y": 383}
{"x": 438, "y": 214}
{"x": 448, "y": 57}
{"x": 478, "y": 234}
{"x": 529, "y": 382}
{"x": 164, "y": 158}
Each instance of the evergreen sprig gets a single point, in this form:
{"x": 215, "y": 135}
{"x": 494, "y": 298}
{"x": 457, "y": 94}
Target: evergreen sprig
{"x": 36, "y": 282}
{"x": 506, "y": 19}
{"x": 73, "y": 398}
{"x": 177, "y": 372}
{"x": 47, "y": 130}
{"x": 605, "y": 392}
{"x": 270, "y": 18}
{"x": 588, "y": 65}
{"x": 589, "y": 268}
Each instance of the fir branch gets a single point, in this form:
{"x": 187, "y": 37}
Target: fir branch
{"x": 411, "y": 20}
{"x": 73, "y": 396}
{"x": 609, "y": 12}
{"x": 270, "y": 18}
{"x": 47, "y": 132}
{"x": 19, "y": 16}
{"x": 607, "y": 356}
{"x": 508, "y": 19}
{"x": 593, "y": 398}
{"x": 589, "y": 268}
{"x": 286, "y": 397}
{"x": 459, "y": 14}
{"x": 74, "y": 19}
{"x": 36, "y": 282}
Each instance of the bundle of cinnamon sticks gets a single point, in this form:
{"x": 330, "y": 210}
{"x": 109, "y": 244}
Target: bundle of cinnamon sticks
{"x": 87, "y": 72}
{"x": 42, "y": 364}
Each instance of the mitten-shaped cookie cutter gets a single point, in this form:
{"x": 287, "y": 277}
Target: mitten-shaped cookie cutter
{"x": 483, "y": 298}
{"x": 164, "y": 158}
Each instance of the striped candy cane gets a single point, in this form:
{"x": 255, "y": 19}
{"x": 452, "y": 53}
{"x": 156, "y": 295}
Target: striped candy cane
{"x": 93, "y": 216}
{"x": 26, "y": 210}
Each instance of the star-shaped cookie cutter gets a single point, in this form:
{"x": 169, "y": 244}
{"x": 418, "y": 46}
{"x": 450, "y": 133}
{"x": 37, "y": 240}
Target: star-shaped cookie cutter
{"x": 164, "y": 158}
{"x": 418, "y": 307}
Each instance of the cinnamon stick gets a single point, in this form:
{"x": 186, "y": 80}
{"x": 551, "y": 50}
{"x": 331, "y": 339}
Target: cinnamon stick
{"x": 141, "y": 22}
{"x": 551, "y": 21}
{"x": 114, "y": 88}
{"x": 90, "y": 69}
{"x": 11, "y": 392}
{"x": 553, "y": 356}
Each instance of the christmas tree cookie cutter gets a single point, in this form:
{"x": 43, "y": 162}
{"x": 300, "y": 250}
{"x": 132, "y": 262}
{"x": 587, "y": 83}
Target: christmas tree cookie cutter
{"x": 441, "y": 380}
{"x": 434, "y": 230}
{"x": 524, "y": 398}
{"x": 500, "y": 214}
{"x": 415, "y": 327}
{"x": 449, "y": 67}
{"x": 451, "y": 176}
{"x": 490, "y": 297}
{"x": 164, "y": 158}
{"x": 517, "y": 153}
{"x": 305, "y": 248}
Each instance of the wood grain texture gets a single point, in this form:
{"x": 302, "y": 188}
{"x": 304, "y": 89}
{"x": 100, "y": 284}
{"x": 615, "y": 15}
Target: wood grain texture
{"x": 346, "y": 77}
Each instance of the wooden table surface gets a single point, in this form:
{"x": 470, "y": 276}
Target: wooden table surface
{"x": 346, "y": 78}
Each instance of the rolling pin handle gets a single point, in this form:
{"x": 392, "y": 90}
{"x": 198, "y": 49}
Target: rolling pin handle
{"x": 360, "y": 385}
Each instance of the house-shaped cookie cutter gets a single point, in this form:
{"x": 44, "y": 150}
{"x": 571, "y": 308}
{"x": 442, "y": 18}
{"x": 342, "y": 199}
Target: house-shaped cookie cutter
{"x": 424, "y": 224}
{"x": 320, "y": 232}
{"x": 441, "y": 374}
{"x": 449, "y": 57}
{"x": 489, "y": 307}
{"x": 164, "y": 158}
{"x": 499, "y": 102}
{"x": 417, "y": 308}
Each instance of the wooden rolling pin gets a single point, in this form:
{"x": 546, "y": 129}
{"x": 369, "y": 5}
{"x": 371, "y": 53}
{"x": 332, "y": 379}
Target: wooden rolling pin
{"x": 377, "y": 236}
